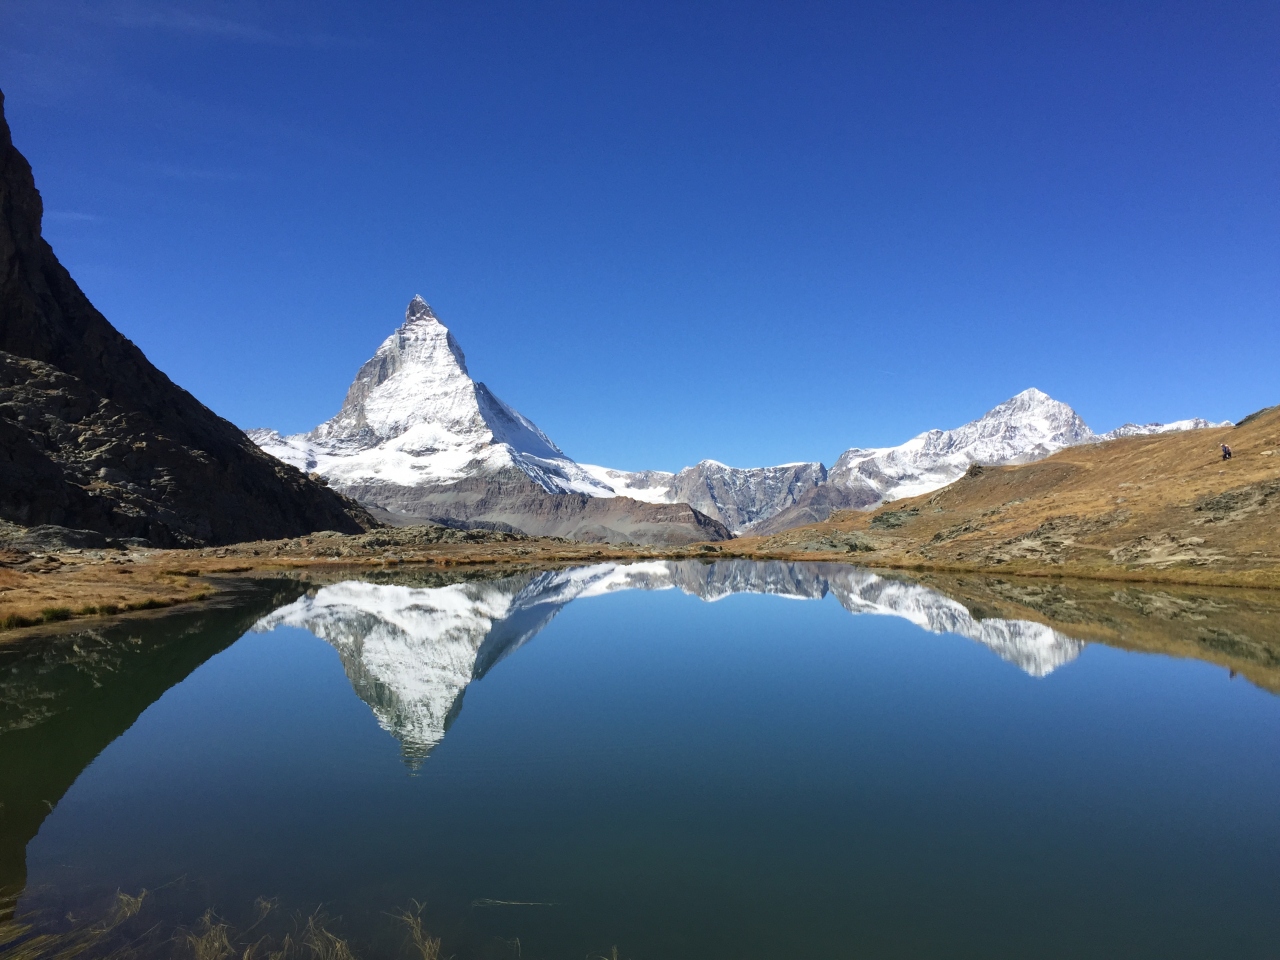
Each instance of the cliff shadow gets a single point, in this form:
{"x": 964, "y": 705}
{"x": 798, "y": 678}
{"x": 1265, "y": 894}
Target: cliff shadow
{"x": 65, "y": 698}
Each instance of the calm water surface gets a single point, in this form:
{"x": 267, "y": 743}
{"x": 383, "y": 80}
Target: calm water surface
{"x": 683, "y": 760}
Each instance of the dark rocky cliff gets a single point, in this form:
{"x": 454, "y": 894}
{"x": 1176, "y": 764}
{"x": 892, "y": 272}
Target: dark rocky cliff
{"x": 93, "y": 436}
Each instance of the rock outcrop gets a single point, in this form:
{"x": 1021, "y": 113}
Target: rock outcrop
{"x": 94, "y": 437}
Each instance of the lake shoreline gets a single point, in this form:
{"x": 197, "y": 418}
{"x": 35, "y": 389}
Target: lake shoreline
{"x": 40, "y": 592}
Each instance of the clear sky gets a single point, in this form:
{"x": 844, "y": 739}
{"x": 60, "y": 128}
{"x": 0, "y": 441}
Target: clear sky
{"x": 757, "y": 232}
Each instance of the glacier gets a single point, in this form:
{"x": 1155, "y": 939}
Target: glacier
{"x": 411, "y": 652}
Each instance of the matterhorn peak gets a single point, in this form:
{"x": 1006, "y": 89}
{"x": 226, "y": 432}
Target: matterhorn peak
{"x": 413, "y": 416}
{"x": 419, "y": 310}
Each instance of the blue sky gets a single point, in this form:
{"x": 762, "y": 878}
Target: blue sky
{"x": 748, "y": 231}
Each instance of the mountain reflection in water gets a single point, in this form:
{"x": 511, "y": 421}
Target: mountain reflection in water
{"x": 410, "y": 652}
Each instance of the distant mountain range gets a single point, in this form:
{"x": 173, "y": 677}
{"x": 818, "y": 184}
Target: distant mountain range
{"x": 418, "y": 440}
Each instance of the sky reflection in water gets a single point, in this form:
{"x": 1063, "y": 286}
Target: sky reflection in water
{"x": 749, "y": 777}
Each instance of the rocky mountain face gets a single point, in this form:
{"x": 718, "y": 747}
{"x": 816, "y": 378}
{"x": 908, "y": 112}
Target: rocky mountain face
{"x": 1026, "y": 427}
{"x": 418, "y": 440}
{"x": 411, "y": 652}
{"x": 741, "y": 498}
{"x": 94, "y": 437}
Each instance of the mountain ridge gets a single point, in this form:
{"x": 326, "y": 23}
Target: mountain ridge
{"x": 418, "y": 439}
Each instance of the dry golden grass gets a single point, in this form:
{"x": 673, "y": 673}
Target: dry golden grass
{"x": 71, "y": 585}
{"x": 422, "y": 943}
{"x": 1158, "y": 508}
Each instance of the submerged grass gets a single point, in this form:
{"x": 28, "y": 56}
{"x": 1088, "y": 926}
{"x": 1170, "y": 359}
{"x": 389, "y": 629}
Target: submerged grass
{"x": 125, "y": 931}
{"x": 210, "y": 940}
{"x": 424, "y": 945}
{"x": 20, "y": 939}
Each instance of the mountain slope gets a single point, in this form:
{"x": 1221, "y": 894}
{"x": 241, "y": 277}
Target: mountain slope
{"x": 1154, "y": 502}
{"x": 413, "y": 416}
{"x": 418, "y": 439}
{"x": 1026, "y": 427}
{"x": 763, "y": 500}
{"x": 93, "y": 436}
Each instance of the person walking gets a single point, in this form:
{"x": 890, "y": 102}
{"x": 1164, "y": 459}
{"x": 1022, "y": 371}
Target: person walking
{"x": 1226, "y": 452}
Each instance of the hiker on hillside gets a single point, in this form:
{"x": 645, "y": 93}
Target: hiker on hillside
{"x": 1226, "y": 452}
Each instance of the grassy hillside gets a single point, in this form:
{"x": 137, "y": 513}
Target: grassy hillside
{"x": 1159, "y": 507}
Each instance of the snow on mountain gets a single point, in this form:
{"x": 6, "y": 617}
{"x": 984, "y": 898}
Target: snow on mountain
{"x": 1144, "y": 429}
{"x": 411, "y": 652}
{"x": 415, "y": 429}
{"x": 651, "y": 486}
{"x": 414, "y": 416}
{"x": 1026, "y": 427}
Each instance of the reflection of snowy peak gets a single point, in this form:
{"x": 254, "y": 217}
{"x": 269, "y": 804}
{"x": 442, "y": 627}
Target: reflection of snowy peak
{"x": 410, "y": 652}
{"x": 1033, "y": 647}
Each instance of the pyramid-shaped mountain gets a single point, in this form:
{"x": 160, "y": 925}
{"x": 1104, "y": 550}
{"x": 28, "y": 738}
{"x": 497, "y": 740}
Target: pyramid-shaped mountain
{"x": 417, "y": 440}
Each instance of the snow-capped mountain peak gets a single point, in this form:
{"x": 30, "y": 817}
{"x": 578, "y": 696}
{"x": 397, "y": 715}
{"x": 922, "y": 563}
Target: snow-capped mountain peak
{"x": 417, "y": 382}
{"x": 1027, "y": 426}
{"x": 414, "y": 425}
{"x": 413, "y": 416}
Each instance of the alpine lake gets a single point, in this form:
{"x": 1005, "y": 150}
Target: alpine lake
{"x": 658, "y": 760}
